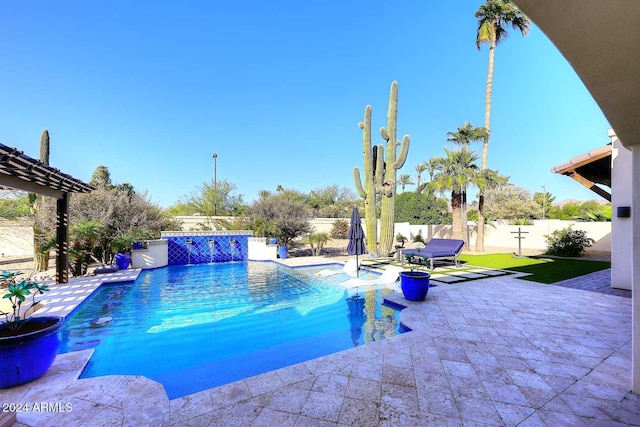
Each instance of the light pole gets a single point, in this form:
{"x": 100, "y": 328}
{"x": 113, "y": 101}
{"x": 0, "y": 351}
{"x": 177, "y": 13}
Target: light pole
{"x": 215, "y": 184}
{"x": 544, "y": 200}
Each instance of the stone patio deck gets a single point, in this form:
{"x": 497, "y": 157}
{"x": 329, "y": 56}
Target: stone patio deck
{"x": 497, "y": 352}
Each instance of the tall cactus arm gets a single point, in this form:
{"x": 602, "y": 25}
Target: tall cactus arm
{"x": 384, "y": 134}
{"x": 358, "y": 183}
{"x": 379, "y": 177}
{"x": 404, "y": 150}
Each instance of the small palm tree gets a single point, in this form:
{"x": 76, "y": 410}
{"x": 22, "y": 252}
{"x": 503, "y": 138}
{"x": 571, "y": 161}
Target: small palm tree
{"x": 455, "y": 172}
{"x": 463, "y": 136}
{"x": 431, "y": 166}
{"x": 405, "y": 179}
{"x": 84, "y": 236}
{"x": 493, "y": 19}
{"x": 419, "y": 168}
{"x": 317, "y": 241}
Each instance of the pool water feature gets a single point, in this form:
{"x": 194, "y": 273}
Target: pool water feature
{"x": 197, "y": 327}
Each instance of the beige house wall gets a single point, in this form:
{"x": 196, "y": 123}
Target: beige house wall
{"x": 621, "y": 196}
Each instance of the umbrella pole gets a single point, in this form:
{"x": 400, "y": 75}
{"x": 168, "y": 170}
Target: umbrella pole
{"x": 357, "y": 267}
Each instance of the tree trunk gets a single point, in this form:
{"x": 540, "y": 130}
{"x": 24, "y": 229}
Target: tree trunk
{"x": 463, "y": 219}
{"x": 456, "y": 209}
{"x": 40, "y": 261}
{"x": 485, "y": 144}
{"x": 480, "y": 233}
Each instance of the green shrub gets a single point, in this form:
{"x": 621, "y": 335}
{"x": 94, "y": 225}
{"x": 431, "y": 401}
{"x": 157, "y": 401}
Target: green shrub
{"x": 317, "y": 241}
{"x": 568, "y": 242}
{"x": 521, "y": 221}
{"x": 340, "y": 229}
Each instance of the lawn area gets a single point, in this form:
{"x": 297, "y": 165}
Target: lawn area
{"x": 542, "y": 269}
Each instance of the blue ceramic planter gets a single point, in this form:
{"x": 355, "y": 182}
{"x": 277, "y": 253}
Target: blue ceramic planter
{"x": 414, "y": 284}
{"x": 28, "y": 356}
{"x": 122, "y": 261}
{"x": 283, "y": 252}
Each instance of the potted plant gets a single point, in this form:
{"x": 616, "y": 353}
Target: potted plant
{"x": 283, "y": 249}
{"x": 28, "y": 345}
{"x": 414, "y": 284}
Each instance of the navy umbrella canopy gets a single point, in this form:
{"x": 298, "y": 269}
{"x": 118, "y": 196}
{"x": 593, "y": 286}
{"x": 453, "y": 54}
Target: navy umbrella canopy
{"x": 356, "y": 237}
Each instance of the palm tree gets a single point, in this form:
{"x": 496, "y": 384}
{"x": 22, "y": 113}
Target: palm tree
{"x": 466, "y": 134}
{"x": 405, "y": 179}
{"x": 419, "y": 168}
{"x": 455, "y": 172}
{"x": 431, "y": 166}
{"x": 84, "y": 236}
{"x": 493, "y": 19}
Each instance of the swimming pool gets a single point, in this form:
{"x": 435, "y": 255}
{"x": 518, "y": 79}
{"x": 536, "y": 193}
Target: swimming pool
{"x": 196, "y": 327}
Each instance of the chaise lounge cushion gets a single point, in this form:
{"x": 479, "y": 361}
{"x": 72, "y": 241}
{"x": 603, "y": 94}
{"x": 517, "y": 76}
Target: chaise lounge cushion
{"x": 442, "y": 248}
{"x": 438, "y": 248}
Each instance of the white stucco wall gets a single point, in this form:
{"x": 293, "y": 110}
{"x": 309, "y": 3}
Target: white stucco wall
{"x": 259, "y": 250}
{"x": 496, "y": 235}
{"x": 621, "y": 195}
{"x": 504, "y": 235}
{"x": 155, "y": 255}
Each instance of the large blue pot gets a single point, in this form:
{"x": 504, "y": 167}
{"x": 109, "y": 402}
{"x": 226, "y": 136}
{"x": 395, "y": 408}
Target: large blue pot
{"x": 283, "y": 252}
{"x": 30, "y": 354}
{"x": 122, "y": 261}
{"x": 414, "y": 284}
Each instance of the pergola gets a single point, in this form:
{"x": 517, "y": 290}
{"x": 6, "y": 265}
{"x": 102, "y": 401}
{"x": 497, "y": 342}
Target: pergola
{"x": 590, "y": 169}
{"x": 25, "y": 173}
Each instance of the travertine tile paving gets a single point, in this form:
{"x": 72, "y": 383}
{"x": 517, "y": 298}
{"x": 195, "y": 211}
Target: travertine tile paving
{"x": 496, "y": 351}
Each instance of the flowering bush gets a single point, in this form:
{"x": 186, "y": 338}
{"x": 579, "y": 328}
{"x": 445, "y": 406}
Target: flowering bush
{"x": 568, "y": 242}
{"x": 340, "y": 229}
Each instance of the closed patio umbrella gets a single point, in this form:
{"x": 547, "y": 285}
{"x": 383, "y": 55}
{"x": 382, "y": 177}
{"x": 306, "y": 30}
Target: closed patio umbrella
{"x": 356, "y": 238}
{"x": 357, "y": 317}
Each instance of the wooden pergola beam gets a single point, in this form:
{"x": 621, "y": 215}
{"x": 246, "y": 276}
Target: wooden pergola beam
{"x": 27, "y": 174}
{"x": 590, "y": 185}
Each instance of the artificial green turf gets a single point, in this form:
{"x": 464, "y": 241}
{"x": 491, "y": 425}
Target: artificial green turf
{"x": 542, "y": 269}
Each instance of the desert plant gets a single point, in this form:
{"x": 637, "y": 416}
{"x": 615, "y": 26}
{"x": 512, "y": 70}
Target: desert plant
{"x": 290, "y": 215}
{"x": 18, "y": 292}
{"x": 380, "y": 175}
{"x": 317, "y": 241}
{"x": 568, "y": 242}
{"x": 401, "y": 239}
{"x": 493, "y": 19}
{"x": 263, "y": 227}
{"x": 340, "y": 229}
{"x": 521, "y": 221}
{"x": 418, "y": 239}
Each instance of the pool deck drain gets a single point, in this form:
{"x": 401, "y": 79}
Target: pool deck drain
{"x": 495, "y": 351}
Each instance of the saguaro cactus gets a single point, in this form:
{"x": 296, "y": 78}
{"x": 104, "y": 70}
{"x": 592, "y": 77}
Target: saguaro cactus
{"x": 42, "y": 243}
{"x": 380, "y": 175}
{"x": 373, "y": 173}
{"x": 392, "y": 164}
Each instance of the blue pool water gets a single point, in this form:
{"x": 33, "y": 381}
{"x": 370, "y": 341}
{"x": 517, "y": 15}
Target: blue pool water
{"x": 196, "y": 327}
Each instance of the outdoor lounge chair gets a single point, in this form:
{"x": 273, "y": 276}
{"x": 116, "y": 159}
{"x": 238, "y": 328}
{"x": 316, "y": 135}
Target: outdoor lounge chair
{"x": 349, "y": 267}
{"x": 388, "y": 277}
{"x": 435, "y": 249}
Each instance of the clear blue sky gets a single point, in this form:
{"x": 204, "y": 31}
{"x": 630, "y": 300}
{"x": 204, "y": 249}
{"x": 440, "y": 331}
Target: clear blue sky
{"x": 151, "y": 89}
